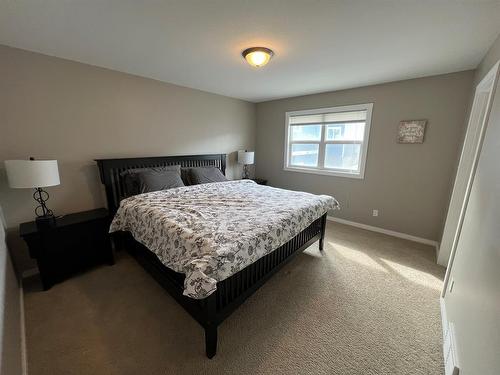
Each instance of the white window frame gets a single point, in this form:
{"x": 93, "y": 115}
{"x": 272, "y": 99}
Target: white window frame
{"x": 320, "y": 169}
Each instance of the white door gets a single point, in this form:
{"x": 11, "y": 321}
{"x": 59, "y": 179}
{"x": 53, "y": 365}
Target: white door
{"x": 473, "y": 304}
{"x": 468, "y": 161}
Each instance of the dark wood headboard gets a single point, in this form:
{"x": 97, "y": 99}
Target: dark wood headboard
{"x": 110, "y": 170}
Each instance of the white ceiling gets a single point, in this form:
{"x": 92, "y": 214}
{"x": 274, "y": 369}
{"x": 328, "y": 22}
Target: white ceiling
{"x": 319, "y": 45}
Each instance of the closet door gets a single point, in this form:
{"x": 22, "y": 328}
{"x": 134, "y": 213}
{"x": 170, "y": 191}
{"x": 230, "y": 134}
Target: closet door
{"x": 473, "y": 296}
{"x": 478, "y": 118}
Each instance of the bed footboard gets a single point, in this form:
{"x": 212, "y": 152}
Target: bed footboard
{"x": 231, "y": 292}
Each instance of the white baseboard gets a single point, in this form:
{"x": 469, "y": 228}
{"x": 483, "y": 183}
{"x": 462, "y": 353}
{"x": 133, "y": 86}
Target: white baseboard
{"x": 385, "y": 231}
{"x": 24, "y": 353}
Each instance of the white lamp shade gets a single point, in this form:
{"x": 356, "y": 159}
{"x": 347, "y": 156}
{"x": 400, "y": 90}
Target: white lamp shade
{"x": 246, "y": 157}
{"x": 32, "y": 173}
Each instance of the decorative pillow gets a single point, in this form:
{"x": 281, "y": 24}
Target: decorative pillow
{"x": 131, "y": 181}
{"x": 154, "y": 180}
{"x": 204, "y": 175}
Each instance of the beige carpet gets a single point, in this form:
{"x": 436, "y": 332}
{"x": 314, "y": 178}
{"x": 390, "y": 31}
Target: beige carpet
{"x": 369, "y": 305}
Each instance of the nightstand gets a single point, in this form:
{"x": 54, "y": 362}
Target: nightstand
{"x": 76, "y": 242}
{"x": 260, "y": 181}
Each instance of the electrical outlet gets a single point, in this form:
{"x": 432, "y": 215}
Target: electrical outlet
{"x": 375, "y": 212}
{"x": 346, "y": 201}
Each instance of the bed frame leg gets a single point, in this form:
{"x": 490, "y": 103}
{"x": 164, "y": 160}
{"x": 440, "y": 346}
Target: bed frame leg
{"x": 211, "y": 326}
{"x": 211, "y": 341}
{"x": 322, "y": 238}
{"x": 119, "y": 240}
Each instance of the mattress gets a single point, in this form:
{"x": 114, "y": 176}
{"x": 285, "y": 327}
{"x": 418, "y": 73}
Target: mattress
{"x": 211, "y": 231}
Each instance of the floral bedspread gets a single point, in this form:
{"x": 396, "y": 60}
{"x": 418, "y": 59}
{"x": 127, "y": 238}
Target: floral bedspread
{"x": 211, "y": 231}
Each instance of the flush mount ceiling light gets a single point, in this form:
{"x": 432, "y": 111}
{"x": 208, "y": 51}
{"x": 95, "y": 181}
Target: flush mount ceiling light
{"x": 257, "y": 56}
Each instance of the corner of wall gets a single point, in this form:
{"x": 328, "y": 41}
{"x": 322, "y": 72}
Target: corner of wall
{"x": 12, "y": 344}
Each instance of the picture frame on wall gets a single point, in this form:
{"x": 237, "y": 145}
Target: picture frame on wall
{"x": 411, "y": 131}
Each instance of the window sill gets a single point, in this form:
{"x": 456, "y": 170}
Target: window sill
{"x": 324, "y": 172}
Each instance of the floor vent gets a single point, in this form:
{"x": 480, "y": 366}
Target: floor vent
{"x": 450, "y": 355}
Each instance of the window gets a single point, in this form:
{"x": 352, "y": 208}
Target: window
{"x": 331, "y": 141}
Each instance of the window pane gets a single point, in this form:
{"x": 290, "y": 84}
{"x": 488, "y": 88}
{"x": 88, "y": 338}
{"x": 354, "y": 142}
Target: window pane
{"x": 352, "y": 131}
{"x": 306, "y": 133}
{"x": 340, "y": 156}
{"x": 304, "y": 155}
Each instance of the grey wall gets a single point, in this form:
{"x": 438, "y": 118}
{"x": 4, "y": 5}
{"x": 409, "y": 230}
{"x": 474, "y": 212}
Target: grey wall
{"x": 10, "y": 313}
{"x": 474, "y": 303}
{"x": 57, "y": 109}
{"x": 409, "y": 184}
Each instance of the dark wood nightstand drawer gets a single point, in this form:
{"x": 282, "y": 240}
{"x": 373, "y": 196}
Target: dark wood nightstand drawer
{"x": 78, "y": 241}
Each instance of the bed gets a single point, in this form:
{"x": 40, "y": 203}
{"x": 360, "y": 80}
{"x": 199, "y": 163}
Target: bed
{"x": 211, "y": 246}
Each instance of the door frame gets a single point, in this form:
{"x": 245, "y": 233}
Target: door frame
{"x": 474, "y": 126}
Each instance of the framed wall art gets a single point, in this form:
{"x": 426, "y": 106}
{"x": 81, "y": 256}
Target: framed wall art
{"x": 411, "y": 131}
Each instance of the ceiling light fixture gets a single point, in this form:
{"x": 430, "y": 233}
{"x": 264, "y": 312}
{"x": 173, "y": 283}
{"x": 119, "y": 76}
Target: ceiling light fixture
{"x": 257, "y": 56}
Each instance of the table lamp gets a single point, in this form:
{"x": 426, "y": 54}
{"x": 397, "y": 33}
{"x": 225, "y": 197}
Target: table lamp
{"x": 246, "y": 158}
{"x": 35, "y": 174}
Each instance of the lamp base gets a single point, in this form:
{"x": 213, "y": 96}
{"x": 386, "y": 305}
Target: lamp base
{"x": 45, "y": 222}
{"x": 245, "y": 172}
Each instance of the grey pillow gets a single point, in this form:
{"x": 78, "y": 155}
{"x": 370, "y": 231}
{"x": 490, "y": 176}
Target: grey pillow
{"x": 186, "y": 171}
{"x": 158, "y": 180}
{"x": 204, "y": 175}
{"x": 185, "y": 175}
{"x": 131, "y": 180}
